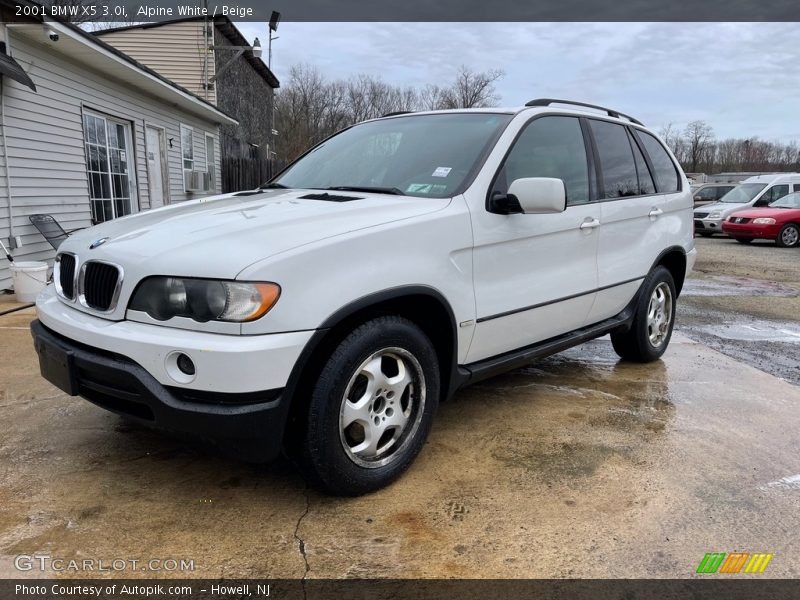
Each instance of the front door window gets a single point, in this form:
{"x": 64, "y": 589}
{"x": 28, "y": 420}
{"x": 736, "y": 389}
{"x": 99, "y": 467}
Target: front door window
{"x": 109, "y": 163}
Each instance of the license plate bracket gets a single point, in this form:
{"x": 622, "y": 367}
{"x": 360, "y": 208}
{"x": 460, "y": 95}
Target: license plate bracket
{"x": 57, "y": 365}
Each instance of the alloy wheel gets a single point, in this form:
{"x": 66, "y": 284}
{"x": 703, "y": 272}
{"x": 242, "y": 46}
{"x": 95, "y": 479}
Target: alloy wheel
{"x": 789, "y": 236}
{"x": 659, "y": 314}
{"x": 382, "y": 407}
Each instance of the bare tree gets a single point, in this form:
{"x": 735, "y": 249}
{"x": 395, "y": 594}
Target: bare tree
{"x": 698, "y": 135}
{"x": 472, "y": 90}
{"x": 309, "y": 108}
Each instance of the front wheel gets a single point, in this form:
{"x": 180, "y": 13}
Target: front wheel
{"x": 371, "y": 408}
{"x": 789, "y": 237}
{"x": 651, "y": 330}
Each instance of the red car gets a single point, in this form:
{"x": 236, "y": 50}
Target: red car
{"x": 780, "y": 221}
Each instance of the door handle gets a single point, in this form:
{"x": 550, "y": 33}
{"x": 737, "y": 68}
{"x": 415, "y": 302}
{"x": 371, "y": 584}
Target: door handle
{"x": 590, "y": 223}
{"x": 655, "y": 212}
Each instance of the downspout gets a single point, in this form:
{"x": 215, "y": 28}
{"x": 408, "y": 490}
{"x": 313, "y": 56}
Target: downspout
{"x": 5, "y": 163}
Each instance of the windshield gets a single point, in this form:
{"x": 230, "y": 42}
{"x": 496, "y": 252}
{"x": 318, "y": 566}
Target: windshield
{"x": 420, "y": 155}
{"x": 789, "y": 201}
{"x": 743, "y": 193}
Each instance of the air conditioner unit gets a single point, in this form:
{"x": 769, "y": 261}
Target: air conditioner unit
{"x": 197, "y": 181}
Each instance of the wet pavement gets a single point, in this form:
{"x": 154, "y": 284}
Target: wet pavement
{"x": 577, "y": 466}
{"x": 722, "y": 285}
{"x": 745, "y": 302}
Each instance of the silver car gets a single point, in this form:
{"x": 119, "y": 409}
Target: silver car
{"x": 753, "y": 192}
{"x": 706, "y": 193}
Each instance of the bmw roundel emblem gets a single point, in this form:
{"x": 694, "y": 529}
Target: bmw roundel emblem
{"x": 98, "y": 243}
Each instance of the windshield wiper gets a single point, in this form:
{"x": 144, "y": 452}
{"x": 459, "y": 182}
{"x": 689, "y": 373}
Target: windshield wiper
{"x": 273, "y": 186}
{"x": 361, "y": 188}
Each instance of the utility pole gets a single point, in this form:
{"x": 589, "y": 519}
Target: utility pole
{"x": 272, "y": 27}
{"x": 206, "y": 50}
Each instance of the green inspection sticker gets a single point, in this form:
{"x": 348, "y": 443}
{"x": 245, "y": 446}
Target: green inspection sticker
{"x": 419, "y": 188}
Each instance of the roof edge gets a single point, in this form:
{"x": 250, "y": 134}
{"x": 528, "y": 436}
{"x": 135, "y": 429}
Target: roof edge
{"x": 76, "y": 32}
{"x": 227, "y": 28}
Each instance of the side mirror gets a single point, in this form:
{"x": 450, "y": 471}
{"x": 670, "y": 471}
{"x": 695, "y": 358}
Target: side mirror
{"x": 531, "y": 196}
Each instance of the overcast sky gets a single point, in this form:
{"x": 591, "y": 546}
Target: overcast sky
{"x": 740, "y": 77}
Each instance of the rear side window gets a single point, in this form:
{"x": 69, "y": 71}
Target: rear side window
{"x": 665, "y": 172}
{"x": 708, "y": 193}
{"x": 617, "y": 164}
{"x": 776, "y": 192}
{"x": 646, "y": 185}
{"x": 549, "y": 147}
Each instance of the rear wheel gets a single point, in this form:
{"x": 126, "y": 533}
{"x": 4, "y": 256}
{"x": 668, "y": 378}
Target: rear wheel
{"x": 789, "y": 237}
{"x": 371, "y": 408}
{"x": 742, "y": 240}
{"x": 651, "y": 330}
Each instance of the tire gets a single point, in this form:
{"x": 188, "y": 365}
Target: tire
{"x": 648, "y": 337}
{"x": 742, "y": 240}
{"x": 789, "y": 237}
{"x": 348, "y": 448}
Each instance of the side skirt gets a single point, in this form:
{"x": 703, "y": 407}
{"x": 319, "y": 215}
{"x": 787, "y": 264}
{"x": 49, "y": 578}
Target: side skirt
{"x": 489, "y": 367}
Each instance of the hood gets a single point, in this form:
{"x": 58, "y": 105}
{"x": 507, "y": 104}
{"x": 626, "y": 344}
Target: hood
{"x": 775, "y": 213}
{"x": 722, "y": 206}
{"x": 221, "y": 235}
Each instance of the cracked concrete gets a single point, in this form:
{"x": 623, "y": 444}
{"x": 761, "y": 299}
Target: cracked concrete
{"x": 301, "y": 545}
{"x": 577, "y": 466}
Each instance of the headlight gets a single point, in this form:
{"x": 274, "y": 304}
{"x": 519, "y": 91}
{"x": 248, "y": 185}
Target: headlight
{"x": 764, "y": 221}
{"x": 715, "y": 215}
{"x": 204, "y": 299}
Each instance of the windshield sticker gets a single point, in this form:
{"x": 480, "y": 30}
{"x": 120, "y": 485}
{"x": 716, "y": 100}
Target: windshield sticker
{"x": 419, "y": 188}
{"x": 441, "y": 172}
{"x": 439, "y": 188}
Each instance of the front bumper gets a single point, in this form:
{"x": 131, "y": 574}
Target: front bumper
{"x": 748, "y": 230}
{"x": 224, "y": 363}
{"x": 248, "y": 424}
{"x": 708, "y": 225}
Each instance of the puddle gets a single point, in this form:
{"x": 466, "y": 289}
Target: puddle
{"x": 722, "y": 285}
{"x": 755, "y": 330}
{"x": 559, "y": 463}
{"x": 791, "y": 482}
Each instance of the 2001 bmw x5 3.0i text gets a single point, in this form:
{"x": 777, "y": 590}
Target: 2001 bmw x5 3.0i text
{"x": 330, "y": 311}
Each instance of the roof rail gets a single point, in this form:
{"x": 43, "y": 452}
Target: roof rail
{"x": 399, "y": 112}
{"x": 610, "y": 112}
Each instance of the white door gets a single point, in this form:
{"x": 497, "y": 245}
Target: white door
{"x": 110, "y": 167}
{"x": 631, "y": 236}
{"x": 535, "y": 276}
{"x": 156, "y": 172}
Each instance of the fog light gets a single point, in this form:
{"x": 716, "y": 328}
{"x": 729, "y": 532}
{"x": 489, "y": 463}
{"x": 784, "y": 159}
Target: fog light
{"x": 185, "y": 364}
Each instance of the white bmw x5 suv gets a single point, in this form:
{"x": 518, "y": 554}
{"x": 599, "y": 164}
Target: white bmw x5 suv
{"x": 330, "y": 311}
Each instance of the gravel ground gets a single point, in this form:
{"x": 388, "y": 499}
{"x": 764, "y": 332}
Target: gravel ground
{"x": 744, "y": 301}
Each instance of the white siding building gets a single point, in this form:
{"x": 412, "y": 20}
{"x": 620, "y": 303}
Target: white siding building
{"x": 101, "y": 136}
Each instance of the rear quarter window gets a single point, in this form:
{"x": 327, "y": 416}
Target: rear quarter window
{"x": 665, "y": 172}
{"x": 617, "y": 165}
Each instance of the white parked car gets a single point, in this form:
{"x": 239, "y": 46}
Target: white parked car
{"x": 753, "y": 192}
{"x": 330, "y": 311}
